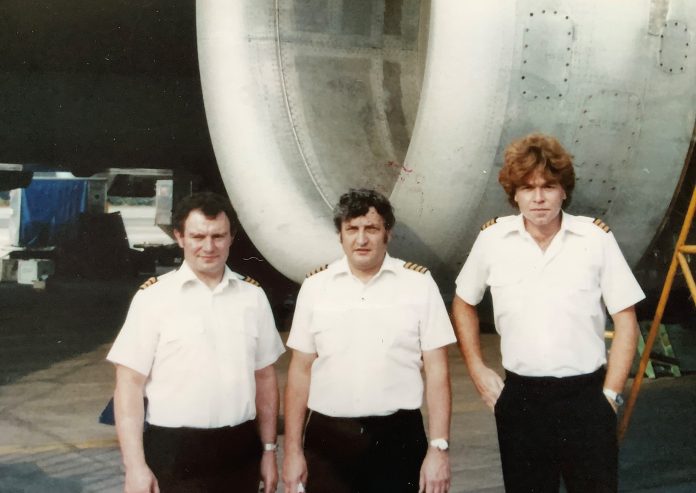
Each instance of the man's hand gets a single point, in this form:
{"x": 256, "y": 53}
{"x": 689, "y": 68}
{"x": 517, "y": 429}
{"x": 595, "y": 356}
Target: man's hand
{"x": 269, "y": 471}
{"x": 294, "y": 471}
{"x": 435, "y": 472}
{"x": 140, "y": 480}
{"x": 466, "y": 326}
{"x": 488, "y": 383}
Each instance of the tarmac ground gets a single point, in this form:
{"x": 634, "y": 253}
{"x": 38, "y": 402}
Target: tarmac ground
{"x": 54, "y": 382}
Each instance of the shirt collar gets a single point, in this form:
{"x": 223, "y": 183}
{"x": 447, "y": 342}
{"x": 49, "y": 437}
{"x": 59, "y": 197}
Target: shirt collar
{"x": 568, "y": 223}
{"x": 514, "y": 226}
{"x": 572, "y": 224}
{"x": 185, "y": 275}
{"x": 342, "y": 267}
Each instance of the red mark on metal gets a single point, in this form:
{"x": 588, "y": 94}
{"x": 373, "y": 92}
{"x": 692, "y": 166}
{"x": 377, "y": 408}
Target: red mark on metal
{"x": 394, "y": 164}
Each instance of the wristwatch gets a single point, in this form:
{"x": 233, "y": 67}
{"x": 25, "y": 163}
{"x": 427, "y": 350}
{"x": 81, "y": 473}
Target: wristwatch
{"x": 614, "y": 396}
{"x": 270, "y": 447}
{"x": 440, "y": 444}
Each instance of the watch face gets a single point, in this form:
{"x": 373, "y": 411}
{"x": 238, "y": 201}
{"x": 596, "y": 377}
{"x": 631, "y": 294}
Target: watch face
{"x": 619, "y": 400}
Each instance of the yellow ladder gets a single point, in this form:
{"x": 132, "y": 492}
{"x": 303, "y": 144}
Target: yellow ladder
{"x": 678, "y": 260}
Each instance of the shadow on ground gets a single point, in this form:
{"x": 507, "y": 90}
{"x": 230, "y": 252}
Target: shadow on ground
{"x": 70, "y": 317}
{"x": 29, "y": 478}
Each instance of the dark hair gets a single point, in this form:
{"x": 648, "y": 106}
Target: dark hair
{"x": 536, "y": 152}
{"x": 357, "y": 202}
{"x": 210, "y": 204}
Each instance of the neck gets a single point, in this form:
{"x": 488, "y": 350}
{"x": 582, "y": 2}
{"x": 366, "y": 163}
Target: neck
{"x": 210, "y": 280}
{"x": 364, "y": 275}
{"x": 543, "y": 234}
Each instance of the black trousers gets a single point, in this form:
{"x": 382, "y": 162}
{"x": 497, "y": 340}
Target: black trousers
{"x": 551, "y": 427}
{"x": 365, "y": 455}
{"x": 195, "y": 460}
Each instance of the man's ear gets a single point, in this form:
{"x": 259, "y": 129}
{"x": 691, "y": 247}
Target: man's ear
{"x": 179, "y": 238}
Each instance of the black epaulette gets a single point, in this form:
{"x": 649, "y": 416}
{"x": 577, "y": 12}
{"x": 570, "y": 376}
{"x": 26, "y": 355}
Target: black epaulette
{"x": 148, "y": 283}
{"x": 601, "y": 225}
{"x": 317, "y": 270}
{"x": 489, "y": 223}
{"x": 416, "y": 267}
{"x": 252, "y": 281}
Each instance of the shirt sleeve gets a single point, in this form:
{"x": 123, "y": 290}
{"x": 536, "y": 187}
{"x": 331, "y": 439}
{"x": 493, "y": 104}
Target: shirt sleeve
{"x": 300, "y": 337}
{"x": 136, "y": 343}
{"x": 436, "y": 330}
{"x": 472, "y": 280}
{"x": 620, "y": 289}
{"x": 270, "y": 346}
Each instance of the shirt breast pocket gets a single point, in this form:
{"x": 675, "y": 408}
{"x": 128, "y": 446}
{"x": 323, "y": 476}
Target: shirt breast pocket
{"x": 184, "y": 333}
{"x": 582, "y": 287}
{"x": 403, "y": 324}
{"x": 331, "y": 331}
{"x": 507, "y": 290}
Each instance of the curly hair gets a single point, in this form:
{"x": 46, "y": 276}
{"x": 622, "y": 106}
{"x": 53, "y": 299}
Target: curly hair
{"x": 357, "y": 202}
{"x": 210, "y": 204}
{"x": 532, "y": 153}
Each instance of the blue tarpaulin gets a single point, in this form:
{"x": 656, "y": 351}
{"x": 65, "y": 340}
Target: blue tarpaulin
{"x": 47, "y": 208}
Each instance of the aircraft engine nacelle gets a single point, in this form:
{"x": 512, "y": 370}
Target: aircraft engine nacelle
{"x": 306, "y": 99}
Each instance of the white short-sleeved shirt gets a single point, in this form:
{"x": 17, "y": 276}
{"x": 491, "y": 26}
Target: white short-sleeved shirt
{"x": 199, "y": 348}
{"x": 368, "y": 337}
{"x": 550, "y": 306}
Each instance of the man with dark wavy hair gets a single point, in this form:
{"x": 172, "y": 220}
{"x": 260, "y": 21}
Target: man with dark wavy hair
{"x": 364, "y": 327}
{"x": 552, "y": 277}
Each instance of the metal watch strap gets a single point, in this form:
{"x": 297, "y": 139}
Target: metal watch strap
{"x": 614, "y": 396}
{"x": 440, "y": 444}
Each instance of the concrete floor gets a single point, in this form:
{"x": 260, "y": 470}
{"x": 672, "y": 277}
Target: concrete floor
{"x": 54, "y": 382}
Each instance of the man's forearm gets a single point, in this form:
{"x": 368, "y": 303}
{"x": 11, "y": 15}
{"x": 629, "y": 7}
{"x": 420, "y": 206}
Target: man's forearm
{"x": 296, "y": 395}
{"x": 623, "y": 349}
{"x": 438, "y": 393}
{"x": 129, "y": 413}
{"x": 267, "y": 402}
{"x": 466, "y": 327}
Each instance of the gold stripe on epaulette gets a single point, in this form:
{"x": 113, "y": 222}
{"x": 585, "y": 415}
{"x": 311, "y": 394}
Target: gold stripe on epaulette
{"x": 489, "y": 223}
{"x": 148, "y": 283}
{"x": 416, "y": 267}
{"x": 317, "y": 270}
{"x": 601, "y": 225}
{"x": 252, "y": 281}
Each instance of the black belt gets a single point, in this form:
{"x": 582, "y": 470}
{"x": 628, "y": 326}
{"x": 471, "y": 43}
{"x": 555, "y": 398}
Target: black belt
{"x": 565, "y": 382}
{"x": 398, "y": 418}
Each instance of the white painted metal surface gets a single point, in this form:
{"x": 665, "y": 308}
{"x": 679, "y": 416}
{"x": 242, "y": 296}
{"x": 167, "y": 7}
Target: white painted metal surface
{"x": 307, "y": 99}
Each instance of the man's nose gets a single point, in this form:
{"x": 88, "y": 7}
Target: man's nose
{"x": 362, "y": 237}
{"x": 208, "y": 244}
{"x": 538, "y": 195}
